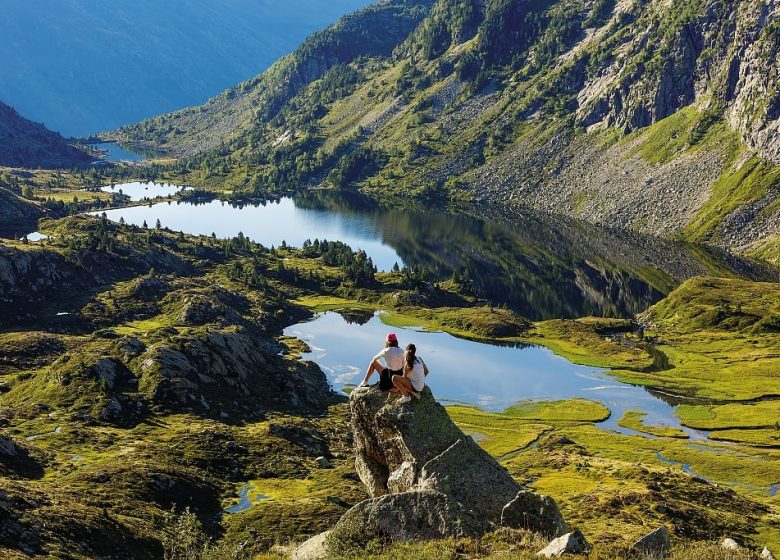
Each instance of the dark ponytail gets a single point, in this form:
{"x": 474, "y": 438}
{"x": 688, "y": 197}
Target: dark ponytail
{"x": 410, "y": 355}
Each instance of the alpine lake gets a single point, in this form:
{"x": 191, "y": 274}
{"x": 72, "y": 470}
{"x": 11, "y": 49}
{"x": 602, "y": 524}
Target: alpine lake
{"x": 539, "y": 266}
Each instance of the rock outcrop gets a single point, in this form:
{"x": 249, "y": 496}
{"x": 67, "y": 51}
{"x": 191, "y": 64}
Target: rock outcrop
{"x": 655, "y": 544}
{"x": 428, "y": 480}
{"x": 570, "y": 543}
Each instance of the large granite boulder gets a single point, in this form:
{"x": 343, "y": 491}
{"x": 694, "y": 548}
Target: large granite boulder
{"x": 428, "y": 480}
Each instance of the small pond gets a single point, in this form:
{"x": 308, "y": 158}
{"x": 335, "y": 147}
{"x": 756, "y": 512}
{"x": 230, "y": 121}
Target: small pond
{"x": 139, "y": 191}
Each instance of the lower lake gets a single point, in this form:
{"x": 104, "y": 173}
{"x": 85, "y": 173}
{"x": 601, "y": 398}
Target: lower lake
{"x": 489, "y": 376}
{"x": 116, "y": 153}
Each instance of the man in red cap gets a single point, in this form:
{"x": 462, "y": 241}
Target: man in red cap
{"x": 393, "y": 358}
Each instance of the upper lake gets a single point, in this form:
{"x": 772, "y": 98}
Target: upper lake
{"x": 116, "y": 153}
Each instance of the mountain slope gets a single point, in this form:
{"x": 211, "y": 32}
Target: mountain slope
{"x": 648, "y": 114}
{"x": 24, "y": 143}
{"x": 105, "y": 64}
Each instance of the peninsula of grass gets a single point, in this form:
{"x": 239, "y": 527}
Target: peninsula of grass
{"x": 634, "y": 420}
{"x": 586, "y": 342}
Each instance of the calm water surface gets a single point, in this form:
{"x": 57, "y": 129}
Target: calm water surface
{"x": 116, "y": 153}
{"x": 542, "y": 267}
{"x": 138, "y": 191}
{"x": 269, "y": 224}
{"x": 488, "y": 376}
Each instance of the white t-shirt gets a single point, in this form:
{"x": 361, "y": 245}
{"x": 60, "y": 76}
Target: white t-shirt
{"x": 417, "y": 375}
{"x": 393, "y": 356}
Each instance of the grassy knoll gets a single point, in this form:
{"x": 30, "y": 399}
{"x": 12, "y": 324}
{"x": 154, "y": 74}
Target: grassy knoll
{"x": 762, "y": 414}
{"x": 634, "y": 420}
{"x": 585, "y": 341}
{"x": 720, "y": 337}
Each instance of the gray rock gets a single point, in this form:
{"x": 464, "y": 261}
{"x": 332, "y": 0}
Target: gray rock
{"x": 111, "y": 411}
{"x": 8, "y": 448}
{"x": 428, "y": 479}
{"x": 656, "y": 543}
{"x": 313, "y": 549}
{"x": 407, "y": 516}
{"x": 322, "y": 462}
{"x": 729, "y": 544}
{"x": 534, "y": 512}
{"x": 105, "y": 371}
{"x": 467, "y": 473}
{"x": 570, "y": 543}
{"x": 766, "y": 554}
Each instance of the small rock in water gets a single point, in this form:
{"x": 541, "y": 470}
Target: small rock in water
{"x": 322, "y": 462}
{"x": 655, "y": 543}
{"x": 766, "y": 554}
{"x": 570, "y": 543}
{"x": 729, "y": 544}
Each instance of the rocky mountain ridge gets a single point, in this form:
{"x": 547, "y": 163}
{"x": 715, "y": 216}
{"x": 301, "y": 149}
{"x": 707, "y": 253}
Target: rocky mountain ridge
{"x": 645, "y": 114}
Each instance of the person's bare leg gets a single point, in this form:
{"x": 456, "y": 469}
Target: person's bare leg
{"x": 403, "y": 384}
{"x": 372, "y": 367}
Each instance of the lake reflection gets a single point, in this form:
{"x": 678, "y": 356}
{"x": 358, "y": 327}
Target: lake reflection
{"x": 540, "y": 266}
{"x": 138, "y": 191}
{"x": 463, "y": 371}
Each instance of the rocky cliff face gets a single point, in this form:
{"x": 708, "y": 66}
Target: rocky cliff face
{"x": 722, "y": 55}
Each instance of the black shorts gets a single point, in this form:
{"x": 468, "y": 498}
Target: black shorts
{"x": 386, "y": 378}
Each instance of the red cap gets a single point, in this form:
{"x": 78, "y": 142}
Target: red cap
{"x": 391, "y": 337}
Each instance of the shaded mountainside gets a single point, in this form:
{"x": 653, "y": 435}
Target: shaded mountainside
{"x": 16, "y": 212}
{"x": 24, "y": 143}
{"x": 645, "y": 114}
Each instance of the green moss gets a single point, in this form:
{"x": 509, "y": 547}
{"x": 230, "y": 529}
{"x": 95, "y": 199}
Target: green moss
{"x": 498, "y": 434}
{"x": 763, "y": 414}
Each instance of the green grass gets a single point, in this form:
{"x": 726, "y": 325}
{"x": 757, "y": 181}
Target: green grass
{"x": 634, "y": 420}
{"x": 498, "y": 434}
{"x": 735, "y": 187}
{"x": 574, "y": 410}
{"x": 720, "y": 337}
{"x": 763, "y": 414}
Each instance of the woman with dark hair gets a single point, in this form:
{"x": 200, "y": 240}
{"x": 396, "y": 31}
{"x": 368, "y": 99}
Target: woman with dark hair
{"x": 393, "y": 357}
{"x": 413, "y": 379}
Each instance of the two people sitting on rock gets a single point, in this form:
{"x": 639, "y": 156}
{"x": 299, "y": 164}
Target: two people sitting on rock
{"x": 403, "y": 372}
